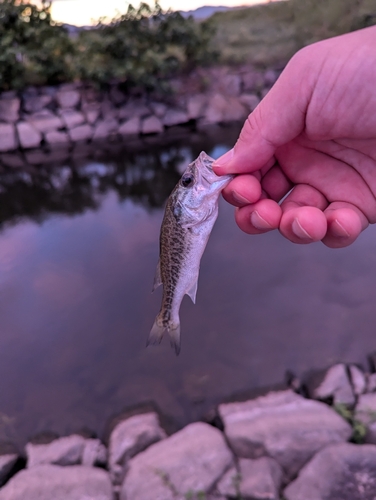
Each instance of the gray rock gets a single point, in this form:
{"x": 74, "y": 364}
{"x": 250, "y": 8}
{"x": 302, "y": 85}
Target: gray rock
{"x": 196, "y": 106}
{"x": 284, "y": 426}
{"x": 47, "y": 482}
{"x": 131, "y": 127}
{"x": 250, "y": 101}
{"x": 264, "y": 92}
{"x": 92, "y": 112}
{"x": 270, "y": 77}
{"x": 56, "y": 137}
{"x": 72, "y": 118}
{"x": 129, "y": 437}
{"x": 371, "y": 382}
{"x": 234, "y": 111}
{"x": 109, "y": 112}
{"x": 105, "y": 128}
{"x": 252, "y": 81}
{"x": 8, "y": 139}
{"x": 158, "y": 108}
{"x": 232, "y": 84}
{"x": 117, "y": 96}
{"x": 215, "y": 109}
{"x": 175, "y": 117}
{"x": 63, "y": 451}
{"x": 68, "y": 98}
{"x": 358, "y": 380}
{"x": 81, "y": 133}
{"x": 7, "y": 463}
{"x": 28, "y": 136}
{"x": 36, "y": 157}
{"x": 151, "y": 125}
{"x": 339, "y": 472}
{"x": 188, "y": 462}
{"x": 32, "y": 104}
{"x": 94, "y": 453}
{"x": 9, "y": 110}
{"x": 365, "y": 412}
{"x": 133, "y": 108}
{"x": 258, "y": 479}
{"x": 336, "y": 384}
{"x": 45, "y": 121}
{"x": 14, "y": 160}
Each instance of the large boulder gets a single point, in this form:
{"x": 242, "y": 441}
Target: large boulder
{"x": 175, "y": 117}
{"x": 45, "y": 121}
{"x": 68, "y": 98}
{"x": 56, "y": 137}
{"x": 29, "y": 137}
{"x": 104, "y": 128}
{"x": 152, "y": 125}
{"x": 32, "y": 103}
{"x": 9, "y": 110}
{"x": 336, "y": 385}
{"x": 47, "y": 482}
{"x": 339, "y": 472}
{"x": 8, "y": 139}
{"x": 365, "y": 412}
{"x": 63, "y": 451}
{"x": 81, "y": 133}
{"x": 131, "y": 126}
{"x": 72, "y": 118}
{"x": 129, "y": 437}
{"x": 284, "y": 426}
{"x": 188, "y": 462}
{"x": 258, "y": 479}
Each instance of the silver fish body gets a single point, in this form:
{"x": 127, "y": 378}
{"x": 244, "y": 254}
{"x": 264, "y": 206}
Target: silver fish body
{"x": 190, "y": 214}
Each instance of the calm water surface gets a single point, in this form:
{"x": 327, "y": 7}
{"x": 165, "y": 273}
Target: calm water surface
{"x": 78, "y": 251}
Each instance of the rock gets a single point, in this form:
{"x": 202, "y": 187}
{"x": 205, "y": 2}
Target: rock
{"x": 234, "y": 111}
{"x": 68, "y": 98}
{"x": 47, "y": 482}
{"x": 264, "y": 92}
{"x": 129, "y": 437}
{"x": 105, "y": 128}
{"x": 81, "y": 133}
{"x": 339, "y": 472}
{"x": 336, "y": 385}
{"x": 45, "y": 121}
{"x": 109, "y": 112}
{"x": 94, "y": 453}
{"x": 365, "y": 412}
{"x": 371, "y": 382}
{"x": 56, "y": 137}
{"x": 196, "y": 106}
{"x": 63, "y": 451}
{"x": 32, "y": 104}
{"x": 8, "y": 139}
{"x": 284, "y": 426}
{"x": 252, "y": 81}
{"x": 358, "y": 380}
{"x": 175, "y": 117}
{"x": 214, "y": 111}
{"x": 231, "y": 84}
{"x": 7, "y": 463}
{"x": 130, "y": 127}
{"x": 250, "y": 101}
{"x": 270, "y": 77}
{"x": 158, "y": 108}
{"x": 151, "y": 125}
{"x": 117, "y": 96}
{"x": 14, "y": 160}
{"x": 36, "y": 157}
{"x": 28, "y": 136}
{"x": 9, "y": 110}
{"x": 72, "y": 118}
{"x": 257, "y": 479}
{"x": 188, "y": 462}
{"x": 92, "y": 112}
{"x": 133, "y": 108}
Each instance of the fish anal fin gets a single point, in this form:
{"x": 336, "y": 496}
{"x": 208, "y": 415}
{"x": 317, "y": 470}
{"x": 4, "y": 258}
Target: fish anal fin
{"x": 158, "y": 277}
{"x": 193, "y": 291}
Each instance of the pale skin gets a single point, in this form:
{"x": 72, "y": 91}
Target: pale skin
{"x": 315, "y": 132}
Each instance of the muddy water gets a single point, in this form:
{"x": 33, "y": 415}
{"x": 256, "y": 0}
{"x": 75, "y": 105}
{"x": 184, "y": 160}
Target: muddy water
{"x": 78, "y": 251}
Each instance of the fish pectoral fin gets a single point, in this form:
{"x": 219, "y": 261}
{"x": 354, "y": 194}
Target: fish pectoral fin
{"x": 192, "y": 291}
{"x": 158, "y": 277}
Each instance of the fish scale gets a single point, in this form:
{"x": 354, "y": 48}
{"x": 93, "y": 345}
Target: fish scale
{"x": 189, "y": 217}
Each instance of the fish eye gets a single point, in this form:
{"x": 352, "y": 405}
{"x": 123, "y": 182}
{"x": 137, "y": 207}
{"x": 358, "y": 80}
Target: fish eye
{"x": 187, "y": 180}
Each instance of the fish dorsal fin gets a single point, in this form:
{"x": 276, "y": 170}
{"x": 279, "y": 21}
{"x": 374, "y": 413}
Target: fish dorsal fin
{"x": 192, "y": 291}
{"x": 158, "y": 277}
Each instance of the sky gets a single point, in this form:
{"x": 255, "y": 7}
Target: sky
{"x": 85, "y": 12}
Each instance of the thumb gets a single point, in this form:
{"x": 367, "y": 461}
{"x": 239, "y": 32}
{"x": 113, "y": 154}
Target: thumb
{"x": 279, "y": 118}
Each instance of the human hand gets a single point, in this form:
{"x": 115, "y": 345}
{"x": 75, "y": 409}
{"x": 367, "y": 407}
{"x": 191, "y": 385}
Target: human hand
{"x": 314, "y": 133}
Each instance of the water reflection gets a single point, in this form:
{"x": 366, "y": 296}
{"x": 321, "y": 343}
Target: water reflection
{"x": 76, "y": 307}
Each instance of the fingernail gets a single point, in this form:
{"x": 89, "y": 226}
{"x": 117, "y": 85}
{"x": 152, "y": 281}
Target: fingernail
{"x": 338, "y": 230}
{"x": 259, "y": 222}
{"x": 299, "y": 231}
{"x": 223, "y": 160}
{"x": 239, "y": 199}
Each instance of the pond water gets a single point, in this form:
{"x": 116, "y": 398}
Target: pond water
{"x": 78, "y": 251}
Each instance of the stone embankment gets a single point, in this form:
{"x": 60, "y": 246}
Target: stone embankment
{"x": 280, "y": 445}
{"x": 74, "y": 113}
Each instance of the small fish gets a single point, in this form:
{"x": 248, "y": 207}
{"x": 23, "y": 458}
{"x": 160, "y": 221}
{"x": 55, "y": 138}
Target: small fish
{"x": 190, "y": 214}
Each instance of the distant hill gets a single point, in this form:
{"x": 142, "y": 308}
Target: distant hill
{"x": 205, "y": 11}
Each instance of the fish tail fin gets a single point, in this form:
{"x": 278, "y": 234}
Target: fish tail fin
{"x": 175, "y": 338}
{"x": 156, "y": 333}
{"x": 158, "y": 330}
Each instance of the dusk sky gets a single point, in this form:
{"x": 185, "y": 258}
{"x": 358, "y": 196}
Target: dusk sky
{"x": 85, "y": 12}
